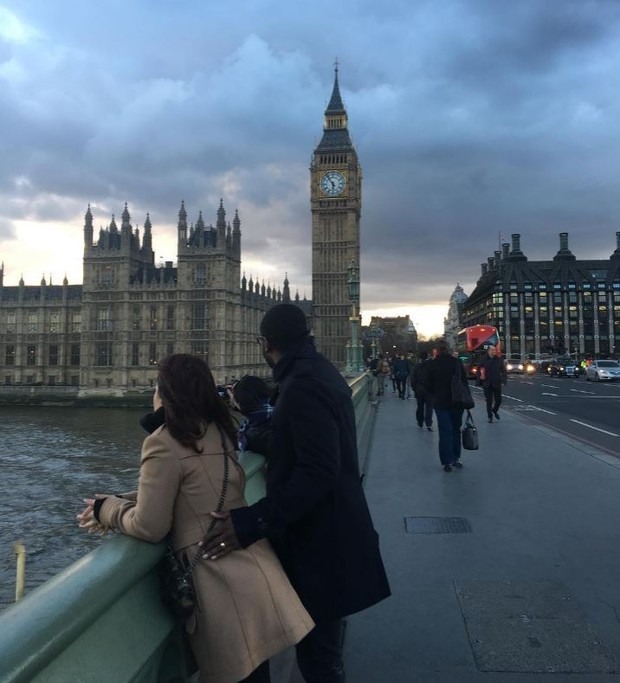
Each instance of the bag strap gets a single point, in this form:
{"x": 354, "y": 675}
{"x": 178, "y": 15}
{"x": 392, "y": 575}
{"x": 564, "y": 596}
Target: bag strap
{"x": 220, "y": 505}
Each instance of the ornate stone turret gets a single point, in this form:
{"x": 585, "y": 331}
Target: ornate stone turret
{"x": 286, "y": 292}
{"x": 221, "y": 225}
{"x": 88, "y": 229}
{"x": 236, "y": 243}
{"x": 126, "y": 227}
{"x": 147, "y": 240}
{"x": 182, "y": 226}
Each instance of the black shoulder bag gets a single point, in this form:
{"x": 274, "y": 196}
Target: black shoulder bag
{"x": 470, "y": 434}
{"x": 177, "y": 591}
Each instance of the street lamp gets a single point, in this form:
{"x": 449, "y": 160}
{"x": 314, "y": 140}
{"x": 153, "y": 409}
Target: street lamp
{"x": 354, "y": 349}
{"x": 373, "y": 337}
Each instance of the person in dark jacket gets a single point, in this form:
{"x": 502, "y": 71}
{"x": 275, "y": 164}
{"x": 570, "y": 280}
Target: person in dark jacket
{"x": 401, "y": 368}
{"x": 438, "y": 381}
{"x": 424, "y": 409}
{"x": 314, "y": 512}
{"x": 491, "y": 376}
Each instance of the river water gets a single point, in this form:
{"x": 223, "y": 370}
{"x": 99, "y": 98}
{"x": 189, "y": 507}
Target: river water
{"x": 50, "y": 459}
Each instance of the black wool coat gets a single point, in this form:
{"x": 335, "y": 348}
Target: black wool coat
{"x": 315, "y": 512}
{"x": 438, "y": 379}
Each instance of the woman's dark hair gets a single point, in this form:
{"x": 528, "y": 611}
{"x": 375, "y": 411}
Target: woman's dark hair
{"x": 251, "y": 393}
{"x": 191, "y": 401}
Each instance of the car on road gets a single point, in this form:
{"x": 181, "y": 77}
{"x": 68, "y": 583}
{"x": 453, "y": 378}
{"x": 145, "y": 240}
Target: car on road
{"x": 562, "y": 367}
{"x": 603, "y": 370}
{"x": 514, "y": 364}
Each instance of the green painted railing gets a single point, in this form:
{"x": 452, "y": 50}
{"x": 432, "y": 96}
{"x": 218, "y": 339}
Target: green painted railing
{"x": 101, "y": 619}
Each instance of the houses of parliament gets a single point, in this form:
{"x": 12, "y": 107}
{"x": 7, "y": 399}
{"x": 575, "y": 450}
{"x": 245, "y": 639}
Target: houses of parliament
{"x": 106, "y": 335}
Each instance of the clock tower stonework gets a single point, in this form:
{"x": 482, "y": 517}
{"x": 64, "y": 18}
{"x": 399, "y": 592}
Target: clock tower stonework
{"x": 336, "y": 202}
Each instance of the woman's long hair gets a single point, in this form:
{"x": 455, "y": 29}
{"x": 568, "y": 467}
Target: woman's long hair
{"x": 191, "y": 401}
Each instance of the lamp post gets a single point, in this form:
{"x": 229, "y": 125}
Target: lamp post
{"x": 373, "y": 337}
{"x": 354, "y": 349}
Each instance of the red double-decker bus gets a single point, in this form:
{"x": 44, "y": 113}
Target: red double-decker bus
{"x": 472, "y": 344}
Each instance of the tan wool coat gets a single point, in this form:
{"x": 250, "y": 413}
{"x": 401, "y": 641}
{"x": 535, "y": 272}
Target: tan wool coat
{"x": 247, "y": 609}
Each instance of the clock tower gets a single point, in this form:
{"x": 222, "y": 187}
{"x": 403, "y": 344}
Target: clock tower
{"x": 336, "y": 202}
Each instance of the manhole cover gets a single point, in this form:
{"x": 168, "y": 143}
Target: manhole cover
{"x": 437, "y": 525}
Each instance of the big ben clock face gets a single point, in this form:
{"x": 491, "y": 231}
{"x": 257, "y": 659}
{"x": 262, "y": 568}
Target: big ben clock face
{"x": 333, "y": 183}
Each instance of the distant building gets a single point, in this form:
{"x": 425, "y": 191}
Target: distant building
{"x": 453, "y": 323}
{"x": 549, "y": 307}
{"x": 393, "y": 335}
{"x": 107, "y": 335}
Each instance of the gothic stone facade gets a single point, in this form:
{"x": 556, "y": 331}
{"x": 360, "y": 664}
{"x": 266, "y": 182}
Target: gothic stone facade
{"x": 549, "y": 307}
{"x": 107, "y": 335}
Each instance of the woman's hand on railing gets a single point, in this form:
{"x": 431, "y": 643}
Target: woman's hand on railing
{"x": 87, "y": 519}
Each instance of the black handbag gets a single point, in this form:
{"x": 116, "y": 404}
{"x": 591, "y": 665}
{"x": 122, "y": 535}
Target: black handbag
{"x": 461, "y": 395}
{"x": 177, "y": 591}
{"x": 469, "y": 434}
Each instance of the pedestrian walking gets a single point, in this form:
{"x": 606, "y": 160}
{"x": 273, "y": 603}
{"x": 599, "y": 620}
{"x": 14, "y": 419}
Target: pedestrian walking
{"x": 314, "y": 510}
{"x": 382, "y": 370}
{"x": 438, "y": 381}
{"x": 423, "y": 397}
{"x": 401, "y": 369}
{"x": 492, "y": 376}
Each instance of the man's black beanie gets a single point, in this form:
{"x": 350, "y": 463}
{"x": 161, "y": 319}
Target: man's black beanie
{"x": 283, "y": 324}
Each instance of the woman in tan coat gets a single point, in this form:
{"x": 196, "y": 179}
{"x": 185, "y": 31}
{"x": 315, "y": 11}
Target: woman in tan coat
{"x": 246, "y": 609}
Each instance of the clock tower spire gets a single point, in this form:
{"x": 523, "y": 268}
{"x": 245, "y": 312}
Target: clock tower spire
{"x": 335, "y": 202}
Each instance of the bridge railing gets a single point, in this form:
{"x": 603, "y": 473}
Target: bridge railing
{"x": 101, "y": 619}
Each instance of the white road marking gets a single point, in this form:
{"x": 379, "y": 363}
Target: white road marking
{"x": 550, "y": 386}
{"x": 542, "y": 410}
{"x": 545, "y": 393}
{"x": 514, "y": 398}
{"x": 585, "y": 424}
{"x": 581, "y": 391}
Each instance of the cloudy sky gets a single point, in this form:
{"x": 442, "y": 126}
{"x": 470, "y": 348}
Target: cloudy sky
{"x": 471, "y": 118}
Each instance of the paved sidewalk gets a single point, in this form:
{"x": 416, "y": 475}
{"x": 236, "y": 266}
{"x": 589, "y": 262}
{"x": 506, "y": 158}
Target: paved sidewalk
{"x": 534, "y": 587}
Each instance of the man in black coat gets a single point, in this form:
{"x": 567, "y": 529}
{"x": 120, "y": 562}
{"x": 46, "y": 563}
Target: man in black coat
{"x": 314, "y": 511}
{"x": 492, "y": 375}
{"x": 438, "y": 381}
{"x": 424, "y": 410}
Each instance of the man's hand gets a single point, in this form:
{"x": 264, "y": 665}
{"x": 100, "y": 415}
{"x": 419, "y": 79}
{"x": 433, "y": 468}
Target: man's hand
{"x": 222, "y": 540}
